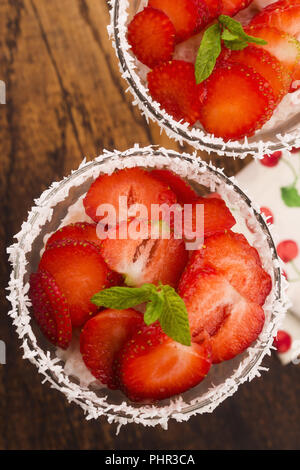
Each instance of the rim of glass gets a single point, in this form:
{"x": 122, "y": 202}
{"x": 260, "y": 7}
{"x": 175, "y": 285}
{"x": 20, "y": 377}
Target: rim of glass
{"x": 174, "y": 129}
{"x": 121, "y": 417}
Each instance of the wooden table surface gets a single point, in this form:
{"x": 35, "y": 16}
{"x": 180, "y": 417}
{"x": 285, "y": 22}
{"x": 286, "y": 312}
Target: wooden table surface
{"x": 66, "y": 100}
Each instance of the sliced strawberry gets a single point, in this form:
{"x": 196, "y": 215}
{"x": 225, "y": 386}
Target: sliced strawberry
{"x": 232, "y": 7}
{"x": 232, "y": 256}
{"x": 283, "y": 46}
{"x": 78, "y": 231}
{"x": 50, "y": 309}
{"x": 284, "y": 16}
{"x": 145, "y": 259}
{"x": 79, "y": 271}
{"x": 214, "y": 8}
{"x": 213, "y": 304}
{"x": 103, "y": 336}
{"x": 152, "y": 37}
{"x": 267, "y": 66}
{"x": 217, "y": 217}
{"x": 173, "y": 85}
{"x": 135, "y": 184}
{"x": 236, "y": 101}
{"x": 153, "y": 366}
{"x": 188, "y": 16}
{"x": 184, "y": 192}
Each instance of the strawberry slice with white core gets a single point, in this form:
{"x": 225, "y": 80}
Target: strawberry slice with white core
{"x": 152, "y": 37}
{"x": 133, "y": 186}
{"x": 78, "y": 231}
{"x": 79, "y": 272}
{"x": 188, "y": 16}
{"x": 50, "y": 309}
{"x": 235, "y": 101}
{"x": 267, "y": 66}
{"x": 153, "y": 366}
{"x": 214, "y": 304}
{"x": 103, "y": 336}
{"x": 232, "y": 7}
{"x": 232, "y": 256}
{"x": 280, "y": 44}
{"x": 144, "y": 256}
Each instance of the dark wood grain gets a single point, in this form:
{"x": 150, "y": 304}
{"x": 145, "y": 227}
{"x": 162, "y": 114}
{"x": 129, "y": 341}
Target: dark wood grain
{"x": 66, "y": 100}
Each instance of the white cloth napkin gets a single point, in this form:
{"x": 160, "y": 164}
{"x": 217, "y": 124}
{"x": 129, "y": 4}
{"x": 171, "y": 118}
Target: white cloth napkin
{"x": 277, "y": 188}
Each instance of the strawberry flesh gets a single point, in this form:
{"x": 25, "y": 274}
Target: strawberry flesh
{"x": 173, "y": 86}
{"x": 187, "y": 16}
{"x": 135, "y": 184}
{"x": 280, "y": 44}
{"x": 232, "y": 7}
{"x": 78, "y": 231}
{"x": 232, "y": 256}
{"x": 153, "y": 366}
{"x": 50, "y": 309}
{"x": 152, "y": 37}
{"x": 213, "y": 304}
{"x": 184, "y": 192}
{"x": 236, "y": 101}
{"x": 79, "y": 271}
{"x": 146, "y": 259}
{"x": 103, "y": 336}
{"x": 267, "y": 66}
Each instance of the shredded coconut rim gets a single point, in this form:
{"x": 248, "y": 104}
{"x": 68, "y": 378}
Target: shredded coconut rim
{"x": 223, "y": 381}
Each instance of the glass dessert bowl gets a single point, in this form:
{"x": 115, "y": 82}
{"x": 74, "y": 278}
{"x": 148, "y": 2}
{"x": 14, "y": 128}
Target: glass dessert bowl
{"x": 280, "y": 132}
{"x": 62, "y": 204}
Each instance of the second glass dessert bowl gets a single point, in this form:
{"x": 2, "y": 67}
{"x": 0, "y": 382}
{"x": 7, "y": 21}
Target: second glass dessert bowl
{"x": 281, "y": 132}
{"x": 62, "y": 204}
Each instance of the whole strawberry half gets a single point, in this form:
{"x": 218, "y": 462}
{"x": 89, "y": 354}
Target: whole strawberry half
{"x": 151, "y": 35}
{"x": 50, "y": 309}
{"x": 173, "y": 86}
{"x": 102, "y": 338}
{"x": 232, "y": 256}
{"x": 134, "y": 185}
{"x": 213, "y": 304}
{"x": 153, "y": 366}
{"x": 235, "y": 101}
{"x": 187, "y": 16}
{"x": 79, "y": 271}
{"x": 144, "y": 256}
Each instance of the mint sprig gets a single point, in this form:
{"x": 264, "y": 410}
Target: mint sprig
{"x": 163, "y": 305}
{"x": 232, "y": 34}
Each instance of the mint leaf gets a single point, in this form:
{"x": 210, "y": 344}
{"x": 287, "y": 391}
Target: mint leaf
{"x": 123, "y": 297}
{"x": 209, "y": 51}
{"x": 237, "y": 45}
{"x": 228, "y": 36}
{"x": 154, "y": 308}
{"x": 174, "y": 318}
{"x": 236, "y": 29}
{"x": 163, "y": 305}
{"x": 290, "y": 196}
